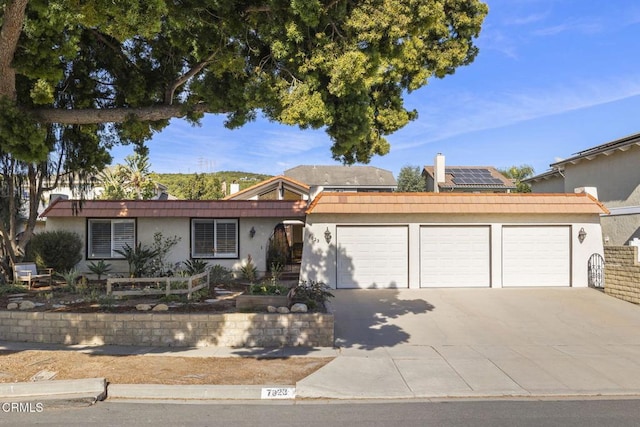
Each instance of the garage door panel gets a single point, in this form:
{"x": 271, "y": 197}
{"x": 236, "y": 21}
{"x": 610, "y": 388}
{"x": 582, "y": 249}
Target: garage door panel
{"x": 372, "y": 257}
{"x": 455, "y": 256}
{"x": 536, "y": 256}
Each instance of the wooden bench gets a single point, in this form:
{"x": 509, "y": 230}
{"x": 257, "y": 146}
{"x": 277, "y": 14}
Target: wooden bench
{"x": 28, "y": 272}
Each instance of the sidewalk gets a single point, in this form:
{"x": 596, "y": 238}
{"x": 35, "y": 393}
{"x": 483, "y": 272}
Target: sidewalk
{"x": 401, "y": 372}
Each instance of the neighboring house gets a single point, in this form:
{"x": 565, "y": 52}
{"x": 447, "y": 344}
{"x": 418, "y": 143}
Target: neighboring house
{"x": 611, "y": 172}
{"x": 355, "y": 179}
{"x": 465, "y": 179}
{"x": 424, "y": 240}
{"x": 220, "y": 232}
{"x": 275, "y": 188}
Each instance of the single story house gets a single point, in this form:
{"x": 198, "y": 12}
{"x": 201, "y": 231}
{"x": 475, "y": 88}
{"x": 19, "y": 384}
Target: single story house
{"x": 220, "y": 232}
{"x": 610, "y": 171}
{"x": 424, "y": 240}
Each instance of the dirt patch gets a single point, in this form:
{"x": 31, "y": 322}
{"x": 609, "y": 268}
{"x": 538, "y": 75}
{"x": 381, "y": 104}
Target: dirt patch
{"x": 137, "y": 369}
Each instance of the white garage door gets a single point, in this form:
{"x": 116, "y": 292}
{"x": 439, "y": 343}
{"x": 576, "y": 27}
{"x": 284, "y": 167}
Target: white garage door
{"x": 536, "y": 256}
{"x": 455, "y": 257}
{"x": 372, "y": 257}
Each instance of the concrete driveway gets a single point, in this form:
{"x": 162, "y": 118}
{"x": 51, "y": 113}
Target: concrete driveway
{"x": 481, "y": 342}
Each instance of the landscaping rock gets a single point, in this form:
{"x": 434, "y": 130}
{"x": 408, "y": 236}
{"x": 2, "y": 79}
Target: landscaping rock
{"x": 12, "y": 306}
{"x": 27, "y": 305}
{"x": 143, "y": 307}
{"x": 283, "y": 310}
{"x": 161, "y": 307}
{"x": 299, "y": 308}
{"x": 272, "y": 309}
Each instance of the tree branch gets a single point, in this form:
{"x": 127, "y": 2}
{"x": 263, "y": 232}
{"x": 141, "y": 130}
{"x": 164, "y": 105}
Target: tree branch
{"x": 168, "y": 94}
{"x": 13, "y": 19}
{"x": 115, "y": 115}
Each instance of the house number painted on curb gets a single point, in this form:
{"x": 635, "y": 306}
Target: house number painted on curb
{"x": 278, "y": 393}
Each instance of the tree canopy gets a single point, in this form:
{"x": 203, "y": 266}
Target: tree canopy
{"x": 518, "y": 174}
{"x": 116, "y": 71}
{"x": 410, "y": 180}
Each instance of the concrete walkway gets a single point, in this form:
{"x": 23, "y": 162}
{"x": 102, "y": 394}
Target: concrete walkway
{"x": 444, "y": 343}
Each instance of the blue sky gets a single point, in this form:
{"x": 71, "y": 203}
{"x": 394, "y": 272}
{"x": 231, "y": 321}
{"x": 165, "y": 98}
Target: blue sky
{"x": 553, "y": 77}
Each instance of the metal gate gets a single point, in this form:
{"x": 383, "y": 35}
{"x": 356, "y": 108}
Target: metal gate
{"x": 595, "y": 271}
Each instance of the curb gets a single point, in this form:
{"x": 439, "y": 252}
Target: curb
{"x": 187, "y": 392}
{"x": 89, "y": 391}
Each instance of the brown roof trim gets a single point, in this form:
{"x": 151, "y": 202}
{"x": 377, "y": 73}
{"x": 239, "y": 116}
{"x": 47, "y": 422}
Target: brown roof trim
{"x": 286, "y": 209}
{"x": 455, "y": 203}
{"x": 607, "y": 148}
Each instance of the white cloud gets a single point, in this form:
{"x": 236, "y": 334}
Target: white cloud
{"x": 465, "y": 112}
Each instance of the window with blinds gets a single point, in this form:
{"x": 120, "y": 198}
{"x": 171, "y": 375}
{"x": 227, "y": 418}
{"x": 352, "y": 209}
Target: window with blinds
{"x": 108, "y": 235}
{"x": 214, "y": 238}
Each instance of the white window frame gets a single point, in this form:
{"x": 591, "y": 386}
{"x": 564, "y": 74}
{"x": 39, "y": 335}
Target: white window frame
{"x": 215, "y": 251}
{"x": 116, "y": 242}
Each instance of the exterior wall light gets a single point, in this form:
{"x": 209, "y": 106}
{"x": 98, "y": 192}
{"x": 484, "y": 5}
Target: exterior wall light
{"x": 252, "y": 232}
{"x": 327, "y": 235}
{"x": 582, "y": 235}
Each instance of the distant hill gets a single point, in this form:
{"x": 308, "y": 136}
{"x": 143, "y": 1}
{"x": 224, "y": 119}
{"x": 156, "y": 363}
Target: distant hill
{"x": 181, "y": 185}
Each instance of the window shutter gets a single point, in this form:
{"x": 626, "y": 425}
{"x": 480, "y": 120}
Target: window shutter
{"x": 203, "y": 238}
{"x": 100, "y": 239}
{"x": 226, "y": 233}
{"x": 123, "y": 234}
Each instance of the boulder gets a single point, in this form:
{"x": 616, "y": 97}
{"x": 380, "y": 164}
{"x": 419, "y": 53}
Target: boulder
{"x": 12, "y": 306}
{"x": 27, "y": 305}
{"x": 143, "y": 307}
{"x": 299, "y": 308}
{"x": 272, "y": 309}
{"x": 282, "y": 310}
{"x": 161, "y": 307}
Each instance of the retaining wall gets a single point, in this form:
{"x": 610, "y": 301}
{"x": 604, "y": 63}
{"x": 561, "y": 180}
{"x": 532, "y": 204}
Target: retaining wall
{"x": 622, "y": 273}
{"x": 169, "y": 330}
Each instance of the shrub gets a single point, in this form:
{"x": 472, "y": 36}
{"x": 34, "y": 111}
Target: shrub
{"x": 219, "y": 274}
{"x": 99, "y": 268}
{"x": 194, "y": 266}
{"x": 138, "y": 258}
{"x": 249, "y": 271}
{"x": 313, "y": 294}
{"x": 60, "y": 250}
{"x": 268, "y": 289}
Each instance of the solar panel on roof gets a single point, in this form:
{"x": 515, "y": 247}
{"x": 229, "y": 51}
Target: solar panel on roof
{"x": 473, "y": 176}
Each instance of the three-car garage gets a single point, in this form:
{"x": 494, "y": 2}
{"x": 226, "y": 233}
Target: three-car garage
{"x": 427, "y": 240}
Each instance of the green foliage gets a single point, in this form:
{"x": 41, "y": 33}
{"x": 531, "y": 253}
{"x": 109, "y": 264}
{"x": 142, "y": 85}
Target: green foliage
{"x": 12, "y": 289}
{"x": 129, "y": 181}
{"x": 138, "y": 258}
{"x": 410, "y": 180}
{"x": 20, "y": 134}
{"x": 60, "y": 250}
{"x": 205, "y": 186}
{"x": 100, "y": 268}
{"x": 343, "y": 66}
{"x": 313, "y": 294}
{"x": 267, "y": 289}
{"x": 219, "y": 274}
{"x": 518, "y": 174}
{"x": 249, "y": 271}
{"x": 195, "y": 266}
{"x": 161, "y": 246}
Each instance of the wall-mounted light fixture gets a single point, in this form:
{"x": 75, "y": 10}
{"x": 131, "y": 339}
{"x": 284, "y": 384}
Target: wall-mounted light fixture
{"x": 252, "y": 232}
{"x": 582, "y": 235}
{"x": 327, "y": 235}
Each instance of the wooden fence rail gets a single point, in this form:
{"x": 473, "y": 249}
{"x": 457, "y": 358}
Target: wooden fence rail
{"x": 158, "y": 285}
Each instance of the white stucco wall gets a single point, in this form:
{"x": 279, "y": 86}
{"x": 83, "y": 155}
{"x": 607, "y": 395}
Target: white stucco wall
{"x": 147, "y": 227}
{"x": 319, "y": 257}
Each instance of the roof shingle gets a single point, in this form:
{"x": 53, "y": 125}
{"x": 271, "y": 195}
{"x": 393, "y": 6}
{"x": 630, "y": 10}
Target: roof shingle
{"x": 455, "y": 203}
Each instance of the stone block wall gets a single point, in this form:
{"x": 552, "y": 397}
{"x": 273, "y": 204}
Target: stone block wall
{"x": 169, "y": 330}
{"x": 622, "y": 273}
